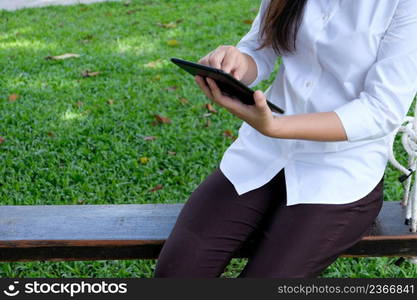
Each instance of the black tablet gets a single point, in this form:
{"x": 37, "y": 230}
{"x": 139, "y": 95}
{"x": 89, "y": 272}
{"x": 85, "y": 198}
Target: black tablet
{"x": 229, "y": 85}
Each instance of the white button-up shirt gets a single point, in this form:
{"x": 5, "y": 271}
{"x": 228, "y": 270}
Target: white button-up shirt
{"x": 356, "y": 58}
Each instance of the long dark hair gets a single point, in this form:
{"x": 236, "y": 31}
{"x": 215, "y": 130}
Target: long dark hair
{"x": 280, "y": 25}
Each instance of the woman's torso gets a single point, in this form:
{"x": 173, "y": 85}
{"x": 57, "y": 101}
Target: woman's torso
{"x": 337, "y": 44}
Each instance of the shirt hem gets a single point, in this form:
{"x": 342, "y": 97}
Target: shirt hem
{"x": 358, "y": 197}
{"x": 260, "y": 180}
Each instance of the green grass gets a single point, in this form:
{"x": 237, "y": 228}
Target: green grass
{"x": 65, "y": 144}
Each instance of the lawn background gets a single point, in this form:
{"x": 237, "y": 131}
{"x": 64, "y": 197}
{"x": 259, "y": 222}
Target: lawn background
{"x": 75, "y": 140}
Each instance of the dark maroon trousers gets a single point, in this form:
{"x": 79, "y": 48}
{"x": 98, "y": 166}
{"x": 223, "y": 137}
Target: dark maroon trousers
{"x": 294, "y": 241}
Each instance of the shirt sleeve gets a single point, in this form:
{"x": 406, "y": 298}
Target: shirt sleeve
{"x": 265, "y": 58}
{"x": 391, "y": 83}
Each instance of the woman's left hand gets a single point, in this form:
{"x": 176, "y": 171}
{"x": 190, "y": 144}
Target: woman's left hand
{"x": 259, "y": 116}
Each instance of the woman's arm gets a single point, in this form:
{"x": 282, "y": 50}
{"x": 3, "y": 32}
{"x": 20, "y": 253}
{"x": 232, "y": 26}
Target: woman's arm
{"x": 391, "y": 83}
{"x": 322, "y": 126}
{"x": 265, "y": 58}
{"x": 252, "y": 72}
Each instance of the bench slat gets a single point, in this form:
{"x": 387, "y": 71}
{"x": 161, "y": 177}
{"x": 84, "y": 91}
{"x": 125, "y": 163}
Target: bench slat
{"x": 138, "y": 231}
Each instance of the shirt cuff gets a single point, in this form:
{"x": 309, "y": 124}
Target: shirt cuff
{"x": 357, "y": 121}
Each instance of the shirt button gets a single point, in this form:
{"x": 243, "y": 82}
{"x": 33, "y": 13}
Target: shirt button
{"x": 324, "y": 17}
{"x": 308, "y": 84}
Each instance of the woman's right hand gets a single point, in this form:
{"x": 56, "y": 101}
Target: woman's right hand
{"x": 230, "y": 60}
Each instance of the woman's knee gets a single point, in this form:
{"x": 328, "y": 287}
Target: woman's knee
{"x": 178, "y": 253}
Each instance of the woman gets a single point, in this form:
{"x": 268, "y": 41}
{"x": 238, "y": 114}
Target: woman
{"x": 306, "y": 185}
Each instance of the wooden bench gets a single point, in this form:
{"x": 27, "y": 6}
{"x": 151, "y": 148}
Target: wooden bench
{"x": 138, "y": 231}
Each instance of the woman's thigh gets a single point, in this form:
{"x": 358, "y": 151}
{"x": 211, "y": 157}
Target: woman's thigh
{"x": 302, "y": 240}
{"x": 213, "y": 224}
